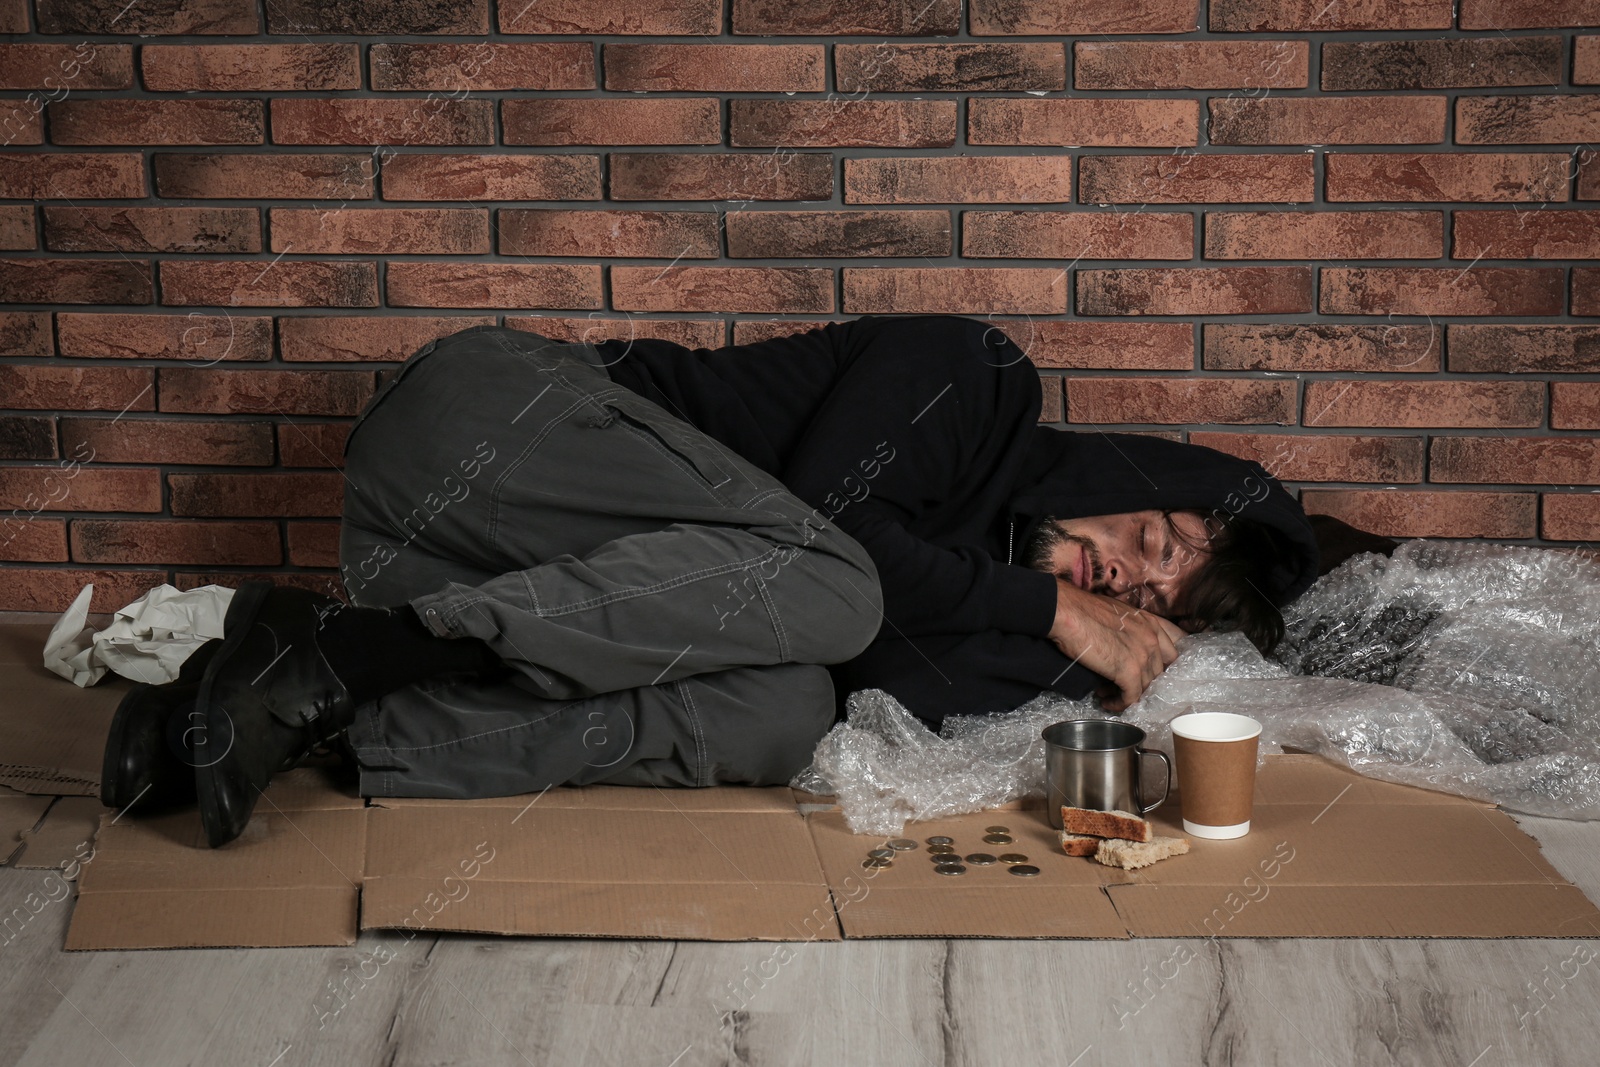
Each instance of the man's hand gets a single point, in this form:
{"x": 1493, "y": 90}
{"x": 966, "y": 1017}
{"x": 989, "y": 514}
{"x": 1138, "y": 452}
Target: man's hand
{"x": 1119, "y": 642}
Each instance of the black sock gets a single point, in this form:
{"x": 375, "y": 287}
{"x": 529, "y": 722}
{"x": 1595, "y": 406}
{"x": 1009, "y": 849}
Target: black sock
{"x": 374, "y": 651}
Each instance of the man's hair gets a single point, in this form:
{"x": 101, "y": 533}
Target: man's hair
{"x": 1228, "y": 591}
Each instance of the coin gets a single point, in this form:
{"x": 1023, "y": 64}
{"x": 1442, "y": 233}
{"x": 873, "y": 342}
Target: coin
{"x": 998, "y": 839}
{"x": 1013, "y": 857}
{"x": 1025, "y": 870}
{"x": 997, "y": 829}
{"x": 980, "y": 859}
{"x": 946, "y": 857}
{"x": 941, "y": 849}
{"x": 941, "y": 841}
{"x": 950, "y": 868}
{"x": 882, "y": 853}
{"x": 902, "y": 844}
{"x": 874, "y": 861}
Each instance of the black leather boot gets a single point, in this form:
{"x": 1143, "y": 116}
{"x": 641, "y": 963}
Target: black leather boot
{"x": 147, "y": 756}
{"x": 266, "y": 699}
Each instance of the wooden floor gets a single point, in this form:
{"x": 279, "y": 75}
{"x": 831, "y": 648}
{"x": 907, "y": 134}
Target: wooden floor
{"x": 454, "y": 999}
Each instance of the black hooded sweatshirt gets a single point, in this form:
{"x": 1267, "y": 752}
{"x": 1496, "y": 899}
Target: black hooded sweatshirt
{"x": 919, "y": 437}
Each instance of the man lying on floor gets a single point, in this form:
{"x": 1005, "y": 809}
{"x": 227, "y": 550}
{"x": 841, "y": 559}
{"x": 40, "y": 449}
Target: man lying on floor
{"x": 636, "y": 563}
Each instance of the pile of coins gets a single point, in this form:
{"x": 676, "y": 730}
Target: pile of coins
{"x": 947, "y": 861}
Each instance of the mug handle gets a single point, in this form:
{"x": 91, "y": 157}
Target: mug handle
{"x": 1166, "y": 787}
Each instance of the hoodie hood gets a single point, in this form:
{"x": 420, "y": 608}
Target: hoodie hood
{"x": 1076, "y": 474}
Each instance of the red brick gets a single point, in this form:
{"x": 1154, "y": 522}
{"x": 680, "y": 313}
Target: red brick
{"x": 330, "y": 338}
{"x": 1523, "y": 347}
{"x": 78, "y": 388}
{"x": 651, "y": 17}
{"x": 313, "y": 444}
{"x": 129, "y": 440}
{"x": 1527, "y": 14}
{"x": 494, "y": 285}
{"x": 483, "y": 66}
{"x": 1324, "y": 457}
{"x": 28, "y": 437}
{"x": 1403, "y": 514}
{"x": 269, "y": 283}
{"x": 1107, "y": 401}
{"x": 33, "y": 540}
{"x": 193, "y": 337}
{"x": 1124, "y": 123}
{"x": 1323, "y": 346}
{"x": 75, "y": 281}
{"x": 1324, "y": 234}
{"x": 378, "y": 16}
{"x": 1078, "y": 235}
{"x": 1514, "y": 234}
{"x": 1532, "y": 118}
{"x": 1051, "y": 16}
{"x": 1194, "y": 178}
{"x": 313, "y": 544}
{"x": 72, "y": 485}
{"x": 216, "y": 543}
{"x": 1191, "y": 64}
{"x": 1441, "y": 64}
{"x": 906, "y": 68}
{"x": 779, "y": 234}
{"x": 250, "y": 67}
{"x": 1244, "y": 16}
{"x": 556, "y": 232}
{"x": 26, "y": 333}
{"x": 152, "y": 229}
{"x": 843, "y": 122}
{"x": 1195, "y": 291}
{"x": 777, "y": 290}
{"x": 148, "y": 122}
{"x": 1445, "y": 176}
{"x": 53, "y": 589}
{"x": 1441, "y": 290}
{"x": 1575, "y": 406}
{"x": 1082, "y": 345}
{"x": 1423, "y": 404}
{"x": 149, "y": 17}
{"x": 380, "y": 231}
{"x": 691, "y": 333}
{"x": 21, "y": 123}
{"x": 746, "y": 68}
{"x": 16, "y": 229}
{"x": 900, "y": 18}
{"x": 260, "y": 392}
{"x": 1515, "y": 460}
{"x": 1328, "y": 120}
{"x": 1586, "y": 290}
{"x": 955, "y": 290}
{"x": 435, "y": 121}
{"x": 14, "y": 18}
{"x": 1570, "y": 517}
{"x": 754, "y": 331}
{"x": 71, "y": 175}
{"x": 959, "y": 180}
{"x": 68, "y": 68}
{"x": 251, "y": 495}
{"x": 1588, "y": 175}
{"x": 319, "y": 176}
{"x": 581, "y": 120}
{"x": 1586, "y": 61}
{"x": 721, "y": 176}
{"x": 419, "y": 176}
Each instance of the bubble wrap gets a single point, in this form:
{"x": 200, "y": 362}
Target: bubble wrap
{"x": 1468, "y": 668}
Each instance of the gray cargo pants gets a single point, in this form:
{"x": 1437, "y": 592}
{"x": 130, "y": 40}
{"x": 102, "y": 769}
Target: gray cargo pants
{"x": 661, "y": 604}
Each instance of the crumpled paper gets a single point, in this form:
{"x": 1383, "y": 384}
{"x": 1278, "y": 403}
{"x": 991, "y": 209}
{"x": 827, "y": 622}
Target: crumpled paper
{"x": 147, "y": 641}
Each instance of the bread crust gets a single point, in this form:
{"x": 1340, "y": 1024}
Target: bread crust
{"x": 1119, "y": 824}
{"x": 1079, "y": 844}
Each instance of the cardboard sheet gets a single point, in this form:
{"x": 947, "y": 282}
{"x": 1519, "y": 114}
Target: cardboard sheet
{"x": 52, "y": 733}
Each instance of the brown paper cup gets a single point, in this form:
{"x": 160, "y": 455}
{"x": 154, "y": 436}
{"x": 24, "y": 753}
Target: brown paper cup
{"x": 1216, "y": 753}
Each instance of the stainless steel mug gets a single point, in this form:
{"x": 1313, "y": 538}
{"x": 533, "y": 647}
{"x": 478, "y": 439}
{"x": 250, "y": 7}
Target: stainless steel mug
{"x": 1094, "y": 763}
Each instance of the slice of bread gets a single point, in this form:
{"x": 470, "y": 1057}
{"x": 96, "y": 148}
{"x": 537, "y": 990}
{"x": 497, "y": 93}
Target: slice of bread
{"x": 1131, "y": 854}
{"x": 1079, "y": 844}
{"x": 1122, "y": 824}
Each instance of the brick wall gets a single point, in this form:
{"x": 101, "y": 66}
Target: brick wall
{"x": 1347, "y": 238}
